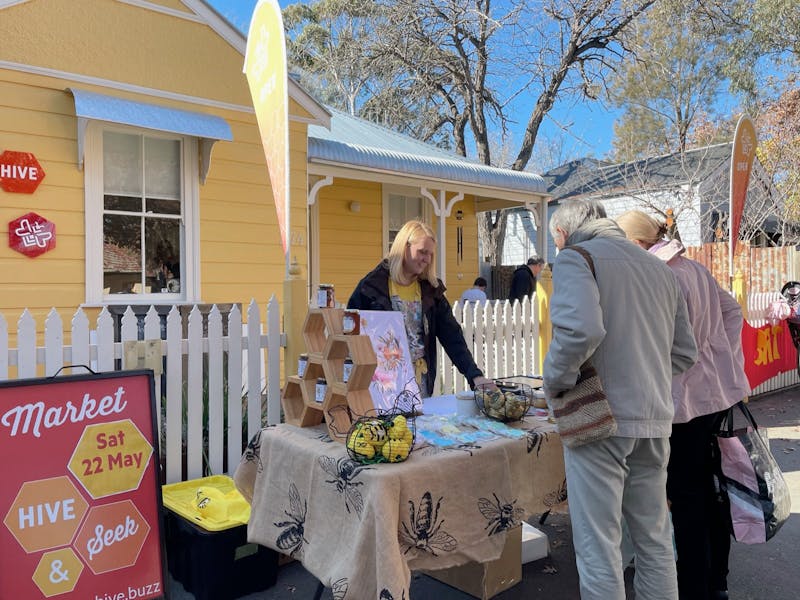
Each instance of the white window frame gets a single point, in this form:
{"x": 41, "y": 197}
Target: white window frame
{"x": 93, "y": 218}
{"x": 408, "y": 192}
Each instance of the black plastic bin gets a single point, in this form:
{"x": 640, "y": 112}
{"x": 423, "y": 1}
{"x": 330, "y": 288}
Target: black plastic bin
{"x": 217, "y": 565}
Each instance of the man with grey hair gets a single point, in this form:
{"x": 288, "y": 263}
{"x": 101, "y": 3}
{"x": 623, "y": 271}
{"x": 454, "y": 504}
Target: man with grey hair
{"x": 630, "y": 320}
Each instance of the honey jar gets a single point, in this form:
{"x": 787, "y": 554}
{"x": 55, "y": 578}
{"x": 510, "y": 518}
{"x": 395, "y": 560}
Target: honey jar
{"x": 347, "y": 368}
{"x": 302, "y": 363}
{"x": 325, "y": 296}
{"x": 319, "y": 391}
{"x": 351, "y": 322}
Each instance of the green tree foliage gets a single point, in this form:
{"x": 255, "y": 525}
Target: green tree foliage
{"x": 325, "y": 44}
{"x": 676, "y": 77}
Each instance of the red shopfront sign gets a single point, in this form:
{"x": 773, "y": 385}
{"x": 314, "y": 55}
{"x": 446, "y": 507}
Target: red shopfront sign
{"x": 80, "y": 500}
{"x": 20, "y": 172}
{"x": 31, "y": 235}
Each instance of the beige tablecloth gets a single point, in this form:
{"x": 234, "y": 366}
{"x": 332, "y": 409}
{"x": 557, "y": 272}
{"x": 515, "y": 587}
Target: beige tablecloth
{"x": 362, "y": 529}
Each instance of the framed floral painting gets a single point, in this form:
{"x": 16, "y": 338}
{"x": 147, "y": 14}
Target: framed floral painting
{"x": 394, "y": 373}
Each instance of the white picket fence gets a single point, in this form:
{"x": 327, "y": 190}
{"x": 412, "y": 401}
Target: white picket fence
{"x": 198, "y": 390}
{"x": 503, "y": 338}
{"x": 210, "y": 375}
{"x": 504, "y": 341}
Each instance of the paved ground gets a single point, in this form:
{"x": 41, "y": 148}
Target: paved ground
{"x": 760, "y": 572}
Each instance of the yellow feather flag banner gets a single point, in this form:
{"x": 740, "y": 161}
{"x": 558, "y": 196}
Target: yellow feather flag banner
{"x": 265, "y": 68}
{"x": 742, "y": 155}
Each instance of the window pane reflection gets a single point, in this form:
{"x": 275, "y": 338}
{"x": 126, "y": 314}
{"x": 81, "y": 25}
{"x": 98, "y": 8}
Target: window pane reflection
{"x": 122, "y": 254}
{"x": 162, "y": 243}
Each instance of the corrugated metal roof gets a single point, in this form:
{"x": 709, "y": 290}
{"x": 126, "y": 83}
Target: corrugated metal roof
{"x": 590, "y": 177}
{"x": 356, "y": 142}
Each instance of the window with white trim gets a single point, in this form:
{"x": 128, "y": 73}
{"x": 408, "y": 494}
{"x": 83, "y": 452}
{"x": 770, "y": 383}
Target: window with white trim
{"x": 400, "y": 206}
{"x": 141, "y": 192}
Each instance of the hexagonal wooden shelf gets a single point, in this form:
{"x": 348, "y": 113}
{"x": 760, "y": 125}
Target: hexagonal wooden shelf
{"x": 308, "y": 381}
{"x": 319, "y": 324}
{"x": 359, "y": 349}
{"x": 327, "y": 349}
{"x": 341, "y": 407}
{"x": 295, "y": 410}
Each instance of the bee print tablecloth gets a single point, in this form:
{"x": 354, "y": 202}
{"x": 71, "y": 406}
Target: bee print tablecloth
{"x": 362, "y": 529}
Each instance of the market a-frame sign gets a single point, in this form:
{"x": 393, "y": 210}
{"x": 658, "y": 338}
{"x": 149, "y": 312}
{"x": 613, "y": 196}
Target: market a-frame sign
{"x": 81, "y": 494}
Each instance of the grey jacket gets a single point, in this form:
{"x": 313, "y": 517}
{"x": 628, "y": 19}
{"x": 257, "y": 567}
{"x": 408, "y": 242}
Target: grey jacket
{"x": 632, "y": 323}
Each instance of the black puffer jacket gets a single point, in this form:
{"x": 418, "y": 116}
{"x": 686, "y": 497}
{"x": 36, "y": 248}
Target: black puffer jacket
{"x": 372, "y": 293}
{"x": 523, "y": 283}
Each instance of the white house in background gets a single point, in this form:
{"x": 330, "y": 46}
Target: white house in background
{"x": 694, "y": 185}
{"x": 520, "y": 241}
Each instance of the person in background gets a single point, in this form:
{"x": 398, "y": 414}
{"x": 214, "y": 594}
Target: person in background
{"x": 523, "y": 281}
{"x": 631, "y": 321}
{"x": 406, "y": 281}
{"x": 701, "y": 395}
{"x": 477, "y": 293}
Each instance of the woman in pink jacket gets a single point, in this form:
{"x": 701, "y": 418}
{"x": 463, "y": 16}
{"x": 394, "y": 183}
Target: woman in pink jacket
{"x": 700, "y": 515}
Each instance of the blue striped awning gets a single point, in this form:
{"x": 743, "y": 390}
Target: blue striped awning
{"x": 111, "y": 109}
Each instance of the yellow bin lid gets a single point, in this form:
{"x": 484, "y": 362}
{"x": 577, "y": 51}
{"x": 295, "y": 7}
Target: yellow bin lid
{"x": 212, "y": 503}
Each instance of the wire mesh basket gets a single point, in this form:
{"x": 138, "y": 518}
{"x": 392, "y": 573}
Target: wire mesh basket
{"x": 384, "y": 435}
{"x": 504, "y": 401}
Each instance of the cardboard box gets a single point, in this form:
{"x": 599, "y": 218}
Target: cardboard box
{"x": 535, "y": 544}
{"x": 486, "y": 580}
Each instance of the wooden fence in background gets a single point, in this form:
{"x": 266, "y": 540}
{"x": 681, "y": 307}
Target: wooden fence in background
{"x": 764, "y": 269}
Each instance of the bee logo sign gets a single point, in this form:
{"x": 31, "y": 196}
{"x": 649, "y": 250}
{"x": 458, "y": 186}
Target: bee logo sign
{"x": 81, "y": 497}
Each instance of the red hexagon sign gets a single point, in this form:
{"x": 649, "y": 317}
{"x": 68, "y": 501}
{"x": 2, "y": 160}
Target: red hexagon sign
{"x": 111, "y": 536}
{"x": 20, "y": 172}
{"x": 31, "y": 235}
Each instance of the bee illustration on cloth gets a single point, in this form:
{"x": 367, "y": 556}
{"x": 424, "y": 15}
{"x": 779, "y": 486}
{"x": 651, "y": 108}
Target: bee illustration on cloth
{"x": 425, "y": 528}
{"x": 535, "y": 440}
{"x": 292, "y": 537}
{"x": 253, "y": 452}
{"x": 556, "y": 497}
{"x": 501, "y": 515}
{"x": 550, "y": 499}
{"x": 344, "y": 472}
{"x": 387, "y": 595}
{"x": 339, "y": 588}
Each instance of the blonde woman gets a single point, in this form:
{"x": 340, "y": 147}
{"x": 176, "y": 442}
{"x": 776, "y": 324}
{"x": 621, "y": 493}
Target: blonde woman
{"x": 406, "y": 281}
{"x": 701, "y": 395}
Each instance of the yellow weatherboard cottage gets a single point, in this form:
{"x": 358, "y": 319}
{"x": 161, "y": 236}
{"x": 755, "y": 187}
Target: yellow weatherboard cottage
{"x": 141, "y": 117}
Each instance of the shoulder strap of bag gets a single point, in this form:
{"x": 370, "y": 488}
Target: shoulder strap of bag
{"x": 585, "y": 254}
{"x": 726, "y": 427}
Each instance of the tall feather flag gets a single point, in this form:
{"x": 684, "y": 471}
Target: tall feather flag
{"x": 742, "y": 154}
{"x": 265, "y": 68}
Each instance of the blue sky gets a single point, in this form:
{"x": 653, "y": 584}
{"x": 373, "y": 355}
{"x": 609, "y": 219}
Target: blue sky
{"x": 590, "y": 126}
